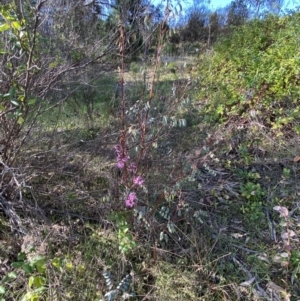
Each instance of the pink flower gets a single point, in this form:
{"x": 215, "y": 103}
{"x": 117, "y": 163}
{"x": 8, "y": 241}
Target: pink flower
{"x": 125, "y": 158}
{"x": 122, "y": 156}
{"x": 138, "y": 181}
{"x": 117, "y": 148}
{"x": 120, "y": 164}
{"x": 130, "y": 199}
{"x": 132, "y": 167}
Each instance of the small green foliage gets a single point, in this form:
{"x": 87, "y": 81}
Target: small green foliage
{"x": 252, "y": 191}
{"x": 20, "y": 39}
{"x": 33, "y": 268}
{"x": 246, "y": 157}
{"x": 254, "y": 205}
{"x": 286, "y": 173}
{"x": 134, "y": 67}
{"x": 295, "y": 259}
{"x": 126, "y": 240}
{"x": 254, "y": 210}
{"x": 295, "y": 264}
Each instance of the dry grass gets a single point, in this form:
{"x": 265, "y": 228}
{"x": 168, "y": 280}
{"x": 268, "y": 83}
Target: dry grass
{"x": 217, "y": 251}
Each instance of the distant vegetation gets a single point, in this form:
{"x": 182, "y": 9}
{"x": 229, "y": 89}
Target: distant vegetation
{"x": 254, "y": 74}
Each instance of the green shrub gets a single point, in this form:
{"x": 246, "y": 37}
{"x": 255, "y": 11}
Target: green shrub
{"x": 255, "y": 73}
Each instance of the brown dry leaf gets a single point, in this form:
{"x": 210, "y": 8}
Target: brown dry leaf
{"x": 284, "y": 212}
{"x": 297, "y": 159}
{"x": 288, "y": 234}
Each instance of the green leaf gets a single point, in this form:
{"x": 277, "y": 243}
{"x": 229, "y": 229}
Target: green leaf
{"x": 2, "y": 108}
{"x": 4, "y": 27}
{"x": 39, "y": 281}
{"x": 12, "y": 275}
{"x": 30, "y": 296}
{"x": 32, "y": 101}
{"x": 18, "y": 113}
{"x": 72, "y": 196}
{"x": 34, "y": 298}
{"x": 30, "y": 281}
{"x": 15, "y": 102}
{"x": 9, "y": 276}
{"x": 17, "y": 264}
{"x": 39, "y": 290}
{"x": 297, "y": 129}
{"x": 28, "y": 269}
{"x": 69, "y": 265}
{"x": 2, "y": 290}
{"x": 12, "y": 92}
{"x": 5, "y": 279}
{"x": 20, "y": 120}
{"x": 36, "y": 281}
{"x": 56, "y": 262}
{"x": 22, "y": 256}
{"x": 41, "y": 265}
{"x": 16, "y": 25}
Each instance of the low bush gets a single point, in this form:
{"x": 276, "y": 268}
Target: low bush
{"x": 254, "y": 74}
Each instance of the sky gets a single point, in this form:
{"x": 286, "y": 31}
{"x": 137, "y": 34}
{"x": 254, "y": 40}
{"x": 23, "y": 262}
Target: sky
{"x": 219, "y": 3}
{"x": 222, "y": 3}
{"x": 214, "y": 4}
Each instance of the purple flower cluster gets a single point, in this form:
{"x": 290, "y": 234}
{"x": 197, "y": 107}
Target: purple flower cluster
{"x": 122, "y": 159}
{"x": 132, "y": 168}
{"x": 122, "y": 156}
{"x": 130, "y": 199}
{"x": 139, "y": 181}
